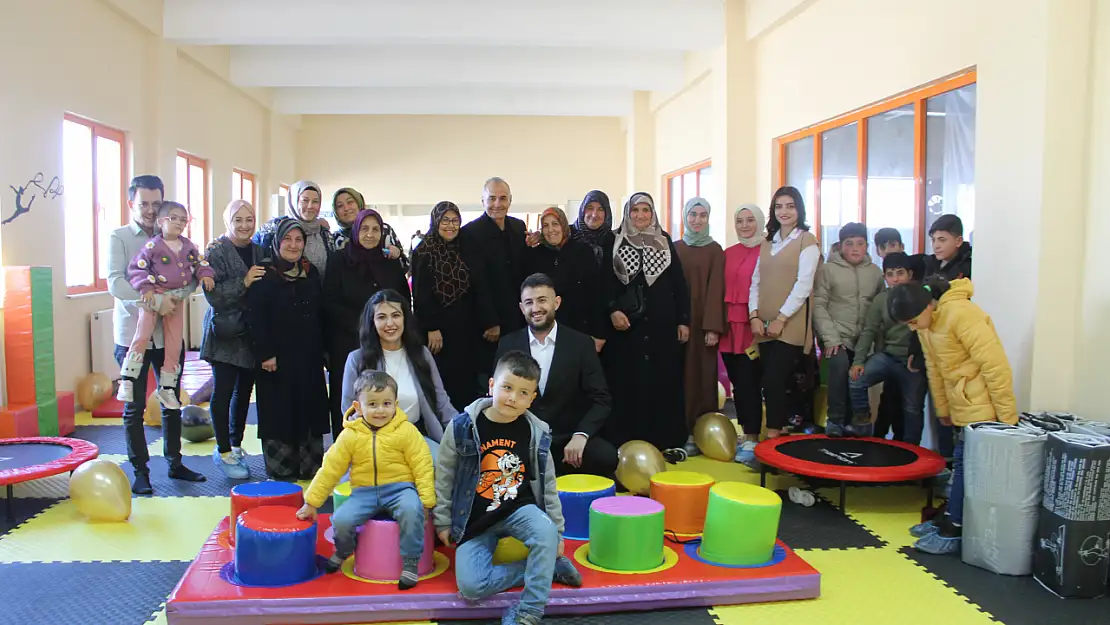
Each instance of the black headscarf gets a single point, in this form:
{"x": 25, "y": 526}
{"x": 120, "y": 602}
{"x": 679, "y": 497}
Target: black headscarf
{"x": 596, "y": 239}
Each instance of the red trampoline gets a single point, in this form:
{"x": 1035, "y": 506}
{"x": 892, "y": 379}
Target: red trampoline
{"x": 849, "y": 460}
{"x": 34, "y": 457}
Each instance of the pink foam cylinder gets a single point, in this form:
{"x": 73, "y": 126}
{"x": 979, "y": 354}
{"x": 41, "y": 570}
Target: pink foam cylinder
{"x": 378, "y": 553}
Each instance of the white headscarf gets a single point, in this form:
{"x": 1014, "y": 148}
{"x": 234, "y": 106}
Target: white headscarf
{"x": 760, "y": 226}
{"x": 646, "y": 250}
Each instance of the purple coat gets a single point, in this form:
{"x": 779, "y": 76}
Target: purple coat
{"x": 157, "y": 267}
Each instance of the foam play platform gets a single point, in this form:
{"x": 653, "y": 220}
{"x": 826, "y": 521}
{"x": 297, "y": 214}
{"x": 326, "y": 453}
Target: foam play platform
{"x": 205, "y": 596}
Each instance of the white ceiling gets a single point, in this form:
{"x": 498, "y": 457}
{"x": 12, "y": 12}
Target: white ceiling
{"x": 464, "y": 57}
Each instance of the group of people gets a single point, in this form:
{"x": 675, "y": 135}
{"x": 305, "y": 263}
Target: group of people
{"x": 623, "y": 325}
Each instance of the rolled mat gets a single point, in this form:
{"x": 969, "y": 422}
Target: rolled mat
{"x": 1003, "y": 475}
{"x": 626, "y": 533}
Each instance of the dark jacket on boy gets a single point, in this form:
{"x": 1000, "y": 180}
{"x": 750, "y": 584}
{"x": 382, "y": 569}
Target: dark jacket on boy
{"x": 958, "y": 267}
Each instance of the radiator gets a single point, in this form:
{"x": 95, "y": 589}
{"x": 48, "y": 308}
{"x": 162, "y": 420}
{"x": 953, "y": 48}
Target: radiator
{"x": 103, "y": 348}
{"x": 198, "y": 307}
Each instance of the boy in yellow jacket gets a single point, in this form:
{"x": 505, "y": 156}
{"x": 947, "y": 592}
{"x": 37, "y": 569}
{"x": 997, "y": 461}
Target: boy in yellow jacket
{"x": 391, "y": 470}
{"x": 969, "y": 377}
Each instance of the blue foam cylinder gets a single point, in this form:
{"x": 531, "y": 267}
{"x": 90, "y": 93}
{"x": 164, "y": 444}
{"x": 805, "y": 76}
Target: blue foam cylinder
{"x": 576, "y": 493}
{"x": 274, "y": 548}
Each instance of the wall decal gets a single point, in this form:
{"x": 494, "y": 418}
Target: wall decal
{"x": 25, "y": 195}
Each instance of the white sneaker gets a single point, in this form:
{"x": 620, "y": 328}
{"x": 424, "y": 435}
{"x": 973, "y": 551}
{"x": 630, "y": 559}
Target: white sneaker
{"x": 801, "y": 497}
{"x": 126, "y": 391}
{"x": 168, "y": 398}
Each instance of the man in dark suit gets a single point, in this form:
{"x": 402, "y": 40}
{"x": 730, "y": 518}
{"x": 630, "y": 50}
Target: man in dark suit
{"x": 573, "y": 396}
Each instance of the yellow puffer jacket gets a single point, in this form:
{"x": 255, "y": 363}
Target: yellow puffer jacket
{"x": 394, "y": 453}
{"x": 969, "y": 375}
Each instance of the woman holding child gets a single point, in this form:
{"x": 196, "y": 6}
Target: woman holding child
{"x": 779, "y": 301}
{"x": 389, "y": 343}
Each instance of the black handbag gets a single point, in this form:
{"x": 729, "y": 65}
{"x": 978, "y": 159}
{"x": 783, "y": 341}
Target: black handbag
{"x": 229, "y": 325}
{"x": 632, "y": 302}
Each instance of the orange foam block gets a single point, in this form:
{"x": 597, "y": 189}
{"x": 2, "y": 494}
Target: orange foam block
{"x": 19, "y": 420}
{"x": 67, "y": 411}
{"x": 19, "y": 338}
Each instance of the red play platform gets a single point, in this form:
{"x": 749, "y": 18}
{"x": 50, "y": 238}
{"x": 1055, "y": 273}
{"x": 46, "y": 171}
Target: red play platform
{"x": 204, "y": 597}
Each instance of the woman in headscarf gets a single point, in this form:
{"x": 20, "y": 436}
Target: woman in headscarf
{"x": 594, "y": 225}
{"x": 452, "y": 303}
{"x": 703, "y": 265}
{"x": 303, "y": 205}
{"x": 285, "y": 321}
{"x": 649, "y": 306}
{"x": 743, "y": 371}
{"x": 226, "y": 346}
{"x": 571, "y": 265}
{"x": 355, "y": 273}
{"x": 346, "y": 203}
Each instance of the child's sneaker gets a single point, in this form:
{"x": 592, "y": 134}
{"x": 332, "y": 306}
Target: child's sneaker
{"x": 674, "y": 455}
{"x": 566, "y": 573}
{"x": 167, "y": 396}
{"x": 801, "y": 496}
{"x": 126, "y": 391}
{"x": 861, "y": 425}
{"x": 513, "y": 616}
{"x": 333, "y": 564}
{"x": 233, "y": 468}
{"x": 409, "y": 574}
{"x": 745, "y": 455}
{"x": 834, "y": 429}
{"x": 691, "y": 448}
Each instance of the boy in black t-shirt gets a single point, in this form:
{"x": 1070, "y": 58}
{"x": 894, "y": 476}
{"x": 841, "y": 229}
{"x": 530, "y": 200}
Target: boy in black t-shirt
{"x": 495, "y": 478}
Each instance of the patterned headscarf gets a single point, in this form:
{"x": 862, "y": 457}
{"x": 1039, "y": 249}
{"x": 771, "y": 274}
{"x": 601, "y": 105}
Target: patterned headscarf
{"x": 233, "y": 207}
{"x": 289, "y": 270}
{"x": 584, "y": 233}
{"x": 317, "y": 245}
{"x": 335, "y": 201}
{"x": 646, "y": 250}
{"x": 450, "y": 275}
{"x": 695, "y": 239}
{"x": 760, "y": 226}
{"x": 562, "y": 217}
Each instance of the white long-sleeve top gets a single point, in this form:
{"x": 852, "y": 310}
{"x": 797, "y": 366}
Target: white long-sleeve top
{"x": 803, "y": 285}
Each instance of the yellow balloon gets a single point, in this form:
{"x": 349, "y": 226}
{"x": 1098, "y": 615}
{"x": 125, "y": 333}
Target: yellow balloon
{"x": 509, "y": 550}
{"x": 637, "y": 461}
{"x": 100, "y": 490}
{"x": 715, "y": 436}
{"x": 153, "y": 414}
{"x": 720, "y": 396}
{"x": 92, "y": 390}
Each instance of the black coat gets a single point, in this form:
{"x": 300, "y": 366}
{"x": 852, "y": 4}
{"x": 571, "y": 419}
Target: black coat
{"x": 576, "y": 398}
{"x": 285, "y": 319}
{"x": 574, "y": 271}
{"x": 958, "y": 267}
{"x": 644, "y": 364}
{"x": 346, "y": 289}
{"x": 502, "y": 253}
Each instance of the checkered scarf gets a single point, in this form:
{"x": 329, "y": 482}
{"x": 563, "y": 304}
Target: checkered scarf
{"x": 645, "y": 250}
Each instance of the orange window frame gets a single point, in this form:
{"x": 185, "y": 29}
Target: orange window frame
{"x": 100, "y": 283}
{"x": 680, "y": 174}
{"x": 917, "y": 96}
{"x": 243, "y": 176}
{"x": 195, "y": 161}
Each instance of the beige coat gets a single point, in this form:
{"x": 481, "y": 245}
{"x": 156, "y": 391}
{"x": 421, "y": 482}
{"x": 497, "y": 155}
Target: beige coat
{"x": 842, "y": 293}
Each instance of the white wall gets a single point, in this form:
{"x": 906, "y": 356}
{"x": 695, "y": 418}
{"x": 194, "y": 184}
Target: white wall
{"x": 103, "y": 60}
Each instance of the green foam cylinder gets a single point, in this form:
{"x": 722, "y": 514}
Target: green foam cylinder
{"x": 741, "y": 524}
{"x": 342, "y": 493}
{"x": 626, "y": 533}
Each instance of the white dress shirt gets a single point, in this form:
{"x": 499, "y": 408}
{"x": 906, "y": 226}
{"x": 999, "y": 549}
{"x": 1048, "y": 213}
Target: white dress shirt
{"x": 803, "y": 285}
{"x": 543, "y": 352}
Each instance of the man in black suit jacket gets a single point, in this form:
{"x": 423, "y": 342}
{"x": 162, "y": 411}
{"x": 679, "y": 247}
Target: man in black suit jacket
{"x": 573, "y": 396}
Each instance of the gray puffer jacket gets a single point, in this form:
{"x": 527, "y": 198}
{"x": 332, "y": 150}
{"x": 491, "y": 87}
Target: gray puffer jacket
{"x": 842, "y": 293}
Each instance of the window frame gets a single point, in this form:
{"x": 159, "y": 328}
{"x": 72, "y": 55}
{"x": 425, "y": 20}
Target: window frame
{"x": 191, "y": 160}
{"x": 918, "y": 97}
{"x": 245, "y": 175}
{"x": 680, "y": 174}
{"x": 100, "y": 283}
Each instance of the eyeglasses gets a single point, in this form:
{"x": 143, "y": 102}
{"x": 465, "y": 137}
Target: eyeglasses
{"x": 178, "y": 219}
{"x": 449, "y": 222}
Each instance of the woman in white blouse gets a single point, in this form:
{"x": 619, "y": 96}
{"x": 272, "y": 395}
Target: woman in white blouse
{"x": 389, "y": 342}
{"x": 781, "y": 312}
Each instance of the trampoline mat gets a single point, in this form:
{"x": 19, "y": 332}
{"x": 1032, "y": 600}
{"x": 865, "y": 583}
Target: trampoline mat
{"x": 20, "y": 455}
{"x": 847, "y": 452}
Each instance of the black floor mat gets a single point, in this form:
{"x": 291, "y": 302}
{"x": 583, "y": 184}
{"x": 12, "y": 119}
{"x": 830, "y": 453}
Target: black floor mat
{"x": 1012, "y": 600}
{"x": 111, "y": 439}
{"x": 23, "y": 508}
{"x": 822, "y": 526}
{"x": 682, "y": 616}
{"x": 216, "y": 486}
{"x": 90, "y": 593}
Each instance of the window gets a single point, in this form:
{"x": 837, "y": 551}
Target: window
{"x": 242, "y": 186}
{"x": 93, "y": 166}
{"x": 899, "y": 163}
{"x": 192, "y": 191}
{"x": 678, "y": 187}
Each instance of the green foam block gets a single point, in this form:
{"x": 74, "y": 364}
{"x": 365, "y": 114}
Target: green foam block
{"x": 42, "y": 330}
{"x": 48, "y": 417}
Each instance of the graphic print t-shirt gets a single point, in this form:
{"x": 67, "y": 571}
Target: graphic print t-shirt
{"x": 504, "y": 455}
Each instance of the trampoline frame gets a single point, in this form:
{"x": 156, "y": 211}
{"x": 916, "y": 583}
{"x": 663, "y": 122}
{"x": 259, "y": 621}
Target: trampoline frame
{"x": 927, "y": 465}
{"x": 80, "y": 451}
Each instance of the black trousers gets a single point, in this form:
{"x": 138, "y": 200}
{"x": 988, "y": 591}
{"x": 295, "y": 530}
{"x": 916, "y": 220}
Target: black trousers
{"x": 231, "y": 397}
{"x": 780, "y": 360}
{"x": 747, "y": 391}
{"x": 598, "y": 458}
{"x": 137, "y": 453}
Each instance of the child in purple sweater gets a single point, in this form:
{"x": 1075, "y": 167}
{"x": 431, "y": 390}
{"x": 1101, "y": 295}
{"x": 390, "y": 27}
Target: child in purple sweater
{"x": 169, "y": 264}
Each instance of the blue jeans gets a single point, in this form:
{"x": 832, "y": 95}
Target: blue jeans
{"x": 432, "y": 447}
{"x": 956, "y": 498}
{"x": 477, "y": 576}
{"x": 882, "y": 367}
{"x": 399, "y": 500}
